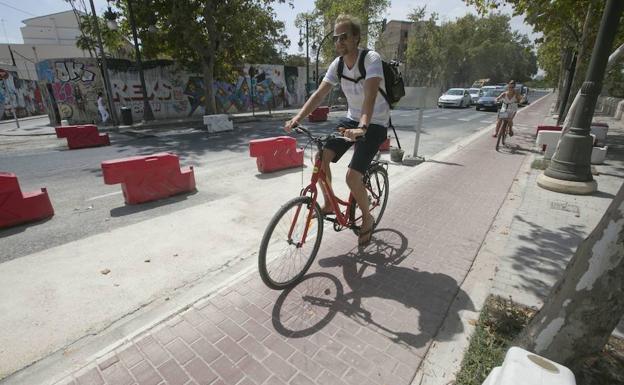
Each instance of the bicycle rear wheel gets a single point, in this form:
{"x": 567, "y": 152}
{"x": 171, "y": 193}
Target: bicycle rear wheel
{"x": 377, "y": 188}
{"x": 284, "y": 257}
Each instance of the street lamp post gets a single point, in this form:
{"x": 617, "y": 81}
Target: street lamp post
{"x": 570, "y": 168}
{"x": 307, "y": 45}
{"x": 109, "y": 93}
{"x": 318, "y": 51}
{"x": 147, "y": 109}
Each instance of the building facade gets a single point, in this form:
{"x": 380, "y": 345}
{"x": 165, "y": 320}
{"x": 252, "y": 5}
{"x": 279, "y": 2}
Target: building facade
{"x": 392, "y": 43}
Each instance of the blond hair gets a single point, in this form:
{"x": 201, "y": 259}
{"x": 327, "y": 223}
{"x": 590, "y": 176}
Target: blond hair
{"x": 354, "y": 23}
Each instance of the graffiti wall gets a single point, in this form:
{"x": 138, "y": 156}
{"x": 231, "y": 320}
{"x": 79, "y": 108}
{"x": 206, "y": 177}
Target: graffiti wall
{"x": 172, "y": 92}
{"x": 72, "y": 86}
{"x": 24, "y": 95}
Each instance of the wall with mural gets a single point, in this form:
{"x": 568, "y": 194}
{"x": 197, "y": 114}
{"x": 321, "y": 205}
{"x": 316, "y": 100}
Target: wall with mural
{"x": 20, "y": 93}
{"x": 172, "y": 92}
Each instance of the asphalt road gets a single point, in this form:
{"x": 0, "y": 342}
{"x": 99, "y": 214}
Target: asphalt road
{"x": 85, "y": 206}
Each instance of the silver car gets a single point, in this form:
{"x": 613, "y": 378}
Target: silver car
{"x": 455, "y": 97}
{"x": 474, "y": 94}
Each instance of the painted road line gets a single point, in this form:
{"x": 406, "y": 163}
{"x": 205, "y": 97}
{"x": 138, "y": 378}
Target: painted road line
{"x": 471, "y": 117}
{"x": 103, "y": 196}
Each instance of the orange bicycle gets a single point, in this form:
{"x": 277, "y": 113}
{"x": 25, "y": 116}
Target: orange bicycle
{"x": 294, "y": 234}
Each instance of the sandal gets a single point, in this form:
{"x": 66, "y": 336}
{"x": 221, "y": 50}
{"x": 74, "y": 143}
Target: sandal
{"x": 510, "y": 133}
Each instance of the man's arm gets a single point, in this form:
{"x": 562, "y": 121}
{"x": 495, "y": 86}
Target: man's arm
{"x": 371, "y": 89}
{"x": 317, "y": 97}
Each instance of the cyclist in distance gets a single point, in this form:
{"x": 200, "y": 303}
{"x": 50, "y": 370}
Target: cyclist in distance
{"x": 510, "y": 97}
{"x": 367, "y": 115}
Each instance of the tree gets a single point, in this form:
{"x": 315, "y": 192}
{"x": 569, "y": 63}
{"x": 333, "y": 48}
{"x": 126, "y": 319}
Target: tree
{"x": 586, "y": 304}
{"x": 367, "y": 11}
{"x": 211, "y": 36}
{"x": 458, "y": 52}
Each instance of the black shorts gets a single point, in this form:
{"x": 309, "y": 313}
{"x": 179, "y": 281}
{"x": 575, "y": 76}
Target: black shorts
{"x": 364, "y": 150}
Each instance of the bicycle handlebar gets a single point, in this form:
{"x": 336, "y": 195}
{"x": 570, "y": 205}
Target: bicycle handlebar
{"x": 322, "y": 139}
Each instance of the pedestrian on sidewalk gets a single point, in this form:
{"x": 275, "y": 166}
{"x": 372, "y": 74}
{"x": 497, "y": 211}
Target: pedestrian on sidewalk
{"x": 511, "y": 98}
{"x": 102, "y": 108}
{"x": 367, "y": 115}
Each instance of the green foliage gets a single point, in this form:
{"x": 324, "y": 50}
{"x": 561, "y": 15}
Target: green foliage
{"x": 500, "y": 322}
{"x": 244, "y": 31}
{"x": 114, "y": 42}
{"x": 367, "y": 11}
{"x": 458, "y": 52}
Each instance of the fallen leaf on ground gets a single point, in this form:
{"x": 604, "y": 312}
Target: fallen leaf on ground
{"x": 105, "y": 271}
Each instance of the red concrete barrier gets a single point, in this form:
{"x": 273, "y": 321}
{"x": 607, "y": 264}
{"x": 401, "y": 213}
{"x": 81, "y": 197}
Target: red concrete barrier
{"x": 276, "y": 153}
{"x": 82, "y": 136}
{"x": 17, "y": 207}
{"x": 385, "y": 146}
{"x": 319, "y": 114}
{"x": 148, "y": 178}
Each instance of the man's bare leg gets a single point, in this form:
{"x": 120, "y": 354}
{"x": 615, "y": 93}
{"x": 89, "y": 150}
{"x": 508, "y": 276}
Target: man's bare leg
{"x": 356, "y": 185}
{"x": 328, "y": 155}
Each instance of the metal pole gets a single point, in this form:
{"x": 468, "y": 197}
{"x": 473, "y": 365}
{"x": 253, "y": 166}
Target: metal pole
{"x": 109, "y": 93}
{"x": 307, "y": 63}
{"x": 417, "y": 137}
{"x": 572, "y": 161}
{"x": 147, "y": 109}
{"x": 567, "y": 85}
{"x": 318, "y": 51}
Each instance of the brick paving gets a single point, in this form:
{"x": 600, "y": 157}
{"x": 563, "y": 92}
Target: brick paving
{"x": 359, "y": 316}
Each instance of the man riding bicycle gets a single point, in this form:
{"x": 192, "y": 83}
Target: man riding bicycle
{"x": 367, "y": 115}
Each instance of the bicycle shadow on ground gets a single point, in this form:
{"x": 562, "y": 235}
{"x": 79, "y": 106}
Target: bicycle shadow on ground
{"x": 375, "y": 288}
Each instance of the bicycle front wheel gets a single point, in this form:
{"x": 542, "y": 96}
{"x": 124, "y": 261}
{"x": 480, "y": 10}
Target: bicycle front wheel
{"x": 377, "y": 189}
{"x": 285, "y": 255}
{"x": 501, "y": 134}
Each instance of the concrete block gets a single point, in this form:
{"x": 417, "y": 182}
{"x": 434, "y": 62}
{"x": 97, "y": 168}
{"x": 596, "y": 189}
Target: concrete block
{"x": 548, "y": 139}
{"x": 599, "y": 129}
{"x": 599, "y": 154}
{"x": 522, "y": 367}
{"x": 619, "y": 110}
{"x": 218, "y": 123}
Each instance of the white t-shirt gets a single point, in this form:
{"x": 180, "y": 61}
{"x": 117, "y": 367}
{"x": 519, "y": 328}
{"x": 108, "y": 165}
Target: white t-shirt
{"x": 100, "y": 102}
{"x": 354, "y": 92}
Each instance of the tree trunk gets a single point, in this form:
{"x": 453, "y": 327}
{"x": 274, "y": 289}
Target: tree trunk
{"x": 209, "y": 101}
{"x": 208, "y": 57}
{"x": 586, "y": 304}
{"x": 562, "y": 74}
{"x": 584, "y": 54}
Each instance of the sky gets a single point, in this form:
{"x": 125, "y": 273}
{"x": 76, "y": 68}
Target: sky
{"x": 12, "y": 12}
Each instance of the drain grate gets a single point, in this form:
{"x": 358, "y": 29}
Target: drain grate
{"x": 564, "y": 206}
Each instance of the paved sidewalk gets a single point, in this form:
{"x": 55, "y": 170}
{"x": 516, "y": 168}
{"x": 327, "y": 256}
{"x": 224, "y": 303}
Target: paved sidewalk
{"x": 548, "y": 227}
{"x": 359, "y": 317}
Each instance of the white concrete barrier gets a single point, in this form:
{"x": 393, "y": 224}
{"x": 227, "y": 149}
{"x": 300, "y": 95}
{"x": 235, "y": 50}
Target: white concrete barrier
{"x": 619, "y": 110}
{"x": 521, "y": 367}
{"x": 549, "y": 139}
{"x": 218, "y": 123}
{"x": 419, "y": 97}
{"x": 599, "y": 154}
{"x": 600, "y": 131}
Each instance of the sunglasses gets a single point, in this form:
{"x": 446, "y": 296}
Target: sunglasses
{"x": 341, "y": 37}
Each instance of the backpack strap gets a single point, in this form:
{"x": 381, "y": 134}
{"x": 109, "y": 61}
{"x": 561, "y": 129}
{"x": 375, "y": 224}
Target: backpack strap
{"x": 360, "y": 67}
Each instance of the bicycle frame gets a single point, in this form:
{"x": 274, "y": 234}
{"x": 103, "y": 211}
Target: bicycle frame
{"x": 319, "y": 176}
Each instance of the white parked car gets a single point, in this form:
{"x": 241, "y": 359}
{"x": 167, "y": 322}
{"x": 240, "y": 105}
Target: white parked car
{"x": 455, "y": 97}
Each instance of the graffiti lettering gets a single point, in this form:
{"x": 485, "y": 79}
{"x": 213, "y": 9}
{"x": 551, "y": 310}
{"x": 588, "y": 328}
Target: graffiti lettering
{"x": 132, "y": 91}
{"x": 70, "y": 70}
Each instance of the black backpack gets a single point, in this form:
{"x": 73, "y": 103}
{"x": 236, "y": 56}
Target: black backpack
{"x": 395, "y": 88}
